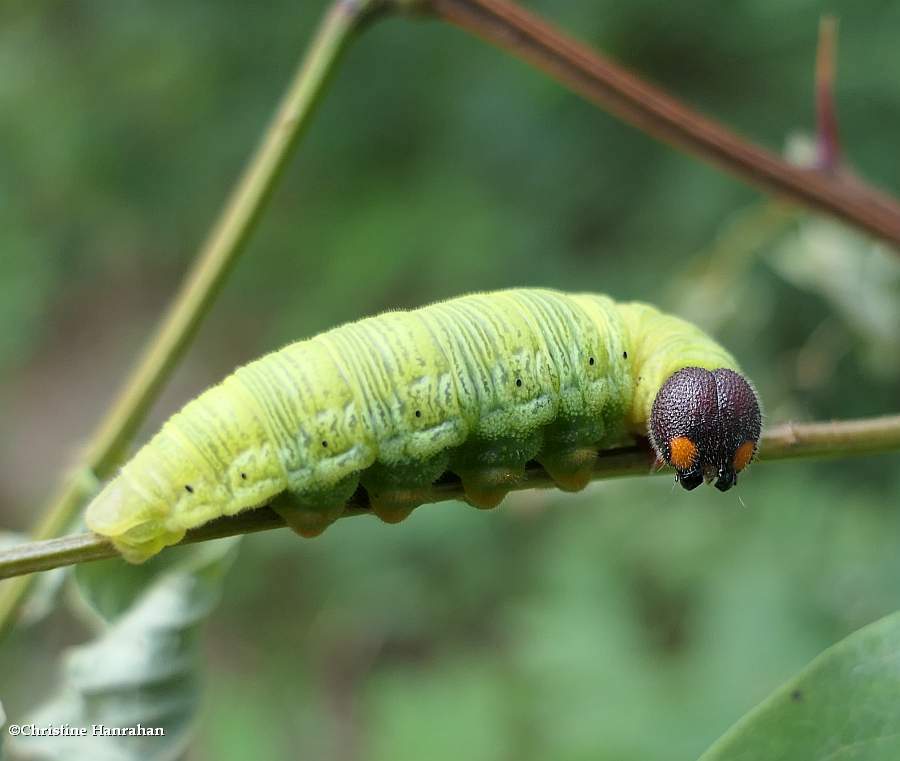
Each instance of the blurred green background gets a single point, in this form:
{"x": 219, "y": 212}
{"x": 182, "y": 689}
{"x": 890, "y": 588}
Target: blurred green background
{"x": 633, "y": 621}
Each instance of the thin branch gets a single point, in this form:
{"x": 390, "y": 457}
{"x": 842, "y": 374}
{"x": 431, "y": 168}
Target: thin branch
{"x": 202, "y": 284}
{"x": 651, "y": 110}
{"x": 786, "y": 441}
{"x": 828, "y": 146}
{"x": 837, "y": 438}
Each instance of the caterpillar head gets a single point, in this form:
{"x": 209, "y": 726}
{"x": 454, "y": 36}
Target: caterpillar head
{"x": 706, "y": 424}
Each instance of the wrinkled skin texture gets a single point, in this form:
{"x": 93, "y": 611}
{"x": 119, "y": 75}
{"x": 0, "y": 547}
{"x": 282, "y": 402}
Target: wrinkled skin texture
{"x": 478, "y": 386}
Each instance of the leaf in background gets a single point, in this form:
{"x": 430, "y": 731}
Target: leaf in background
{"x": 142, "y": 669}
{"x": 2, "y": 725}
{"x": 714, "y": 288}
{"x": 843, "y": 705}
{"x": 110, "y": 587}
{"x": 859, "y": 279}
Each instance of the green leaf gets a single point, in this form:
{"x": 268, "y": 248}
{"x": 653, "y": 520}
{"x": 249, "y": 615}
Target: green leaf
{"x": 142, "y": 670}
{"x": 111, "y": 587}
{"x": 858, "y": 278}
{"x": 844, "y": 705}
{"x": 2, "y": 725}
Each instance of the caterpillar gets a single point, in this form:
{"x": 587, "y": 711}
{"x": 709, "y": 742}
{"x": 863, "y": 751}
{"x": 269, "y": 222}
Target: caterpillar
{"x": 478, "y": 385}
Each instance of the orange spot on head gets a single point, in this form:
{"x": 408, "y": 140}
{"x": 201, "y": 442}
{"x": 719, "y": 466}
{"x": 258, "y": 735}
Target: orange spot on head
{"x": 743, "y": 455}
{"x": 683, "y": 452}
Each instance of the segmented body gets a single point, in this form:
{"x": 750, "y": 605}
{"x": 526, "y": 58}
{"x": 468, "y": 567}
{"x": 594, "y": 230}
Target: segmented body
{"x": 477, "y": 385}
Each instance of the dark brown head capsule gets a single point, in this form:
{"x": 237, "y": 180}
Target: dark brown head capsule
{"x": 706, "y": 425}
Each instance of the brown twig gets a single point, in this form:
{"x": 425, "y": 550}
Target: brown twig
{"x": 786, "y": 441}
{"x": 650, "y": 109}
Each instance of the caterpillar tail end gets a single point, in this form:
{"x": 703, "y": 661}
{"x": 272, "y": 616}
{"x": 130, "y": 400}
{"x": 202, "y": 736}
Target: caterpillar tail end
{"x": 136, "y": 535}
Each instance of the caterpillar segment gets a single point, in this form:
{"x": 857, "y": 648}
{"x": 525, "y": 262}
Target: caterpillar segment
{"x": 479, "y": 386}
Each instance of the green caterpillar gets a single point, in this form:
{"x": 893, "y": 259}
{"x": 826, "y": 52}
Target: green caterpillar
{"x": 478, "y": 385}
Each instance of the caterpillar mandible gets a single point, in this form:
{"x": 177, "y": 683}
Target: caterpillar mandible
{"x": 478, "y": 385}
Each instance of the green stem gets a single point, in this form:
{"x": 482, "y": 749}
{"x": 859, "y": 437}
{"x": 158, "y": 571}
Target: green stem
{"x": 786, "y": 441}
{"x": 214, "y": 261}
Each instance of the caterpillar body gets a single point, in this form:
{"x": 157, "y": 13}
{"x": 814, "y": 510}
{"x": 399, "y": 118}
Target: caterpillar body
{"x": 478, "y": 385}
